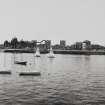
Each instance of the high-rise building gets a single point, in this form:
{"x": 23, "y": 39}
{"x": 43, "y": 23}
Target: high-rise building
{"x": 86, "y": 45}
{"x": 62, "y": 44}
{"x": 78, "y": 45}
{"x": 48, "y": 44}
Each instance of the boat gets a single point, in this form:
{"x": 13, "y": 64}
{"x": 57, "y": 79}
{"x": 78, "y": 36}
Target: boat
{"x": 20, "y": 62}
{"x": 51, "y": 54}
{"x": 37, "y": 54}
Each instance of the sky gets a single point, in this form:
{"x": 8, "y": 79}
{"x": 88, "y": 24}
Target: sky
{"x": 70, "y": 20}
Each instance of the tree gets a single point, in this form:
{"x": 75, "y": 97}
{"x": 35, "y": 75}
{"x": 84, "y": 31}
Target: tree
{"x": 6, "y": 43}
{"x": 14, "y": 42}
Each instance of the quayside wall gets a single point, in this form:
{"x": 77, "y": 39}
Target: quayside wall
{"x": 77, "y": 52}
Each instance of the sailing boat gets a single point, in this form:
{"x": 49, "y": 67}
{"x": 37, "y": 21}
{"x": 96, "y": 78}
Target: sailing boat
{"x": 51, "y": 54}
{"x": 37, "y": 54}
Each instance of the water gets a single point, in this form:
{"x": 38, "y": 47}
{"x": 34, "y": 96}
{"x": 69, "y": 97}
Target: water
{"x": 64, "y": 80}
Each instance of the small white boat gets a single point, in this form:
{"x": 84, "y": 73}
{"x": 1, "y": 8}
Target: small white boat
{"x": 37, "y": 54}
{"x": 51, "y": 54}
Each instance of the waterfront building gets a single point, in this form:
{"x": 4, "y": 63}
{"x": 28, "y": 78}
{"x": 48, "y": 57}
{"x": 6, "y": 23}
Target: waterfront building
{"x": 97, "y": 47}
{"x": 68, "y": 47}
{"x": 86, "y": 45}
{"x": 78, "y": 45}
{"x": 73, "y": 47}
{"x": 62, "y": 44}
{"x": 83, "y": 46}
{"x": 48, "y": 44}
{"x": 34, "y": 42}
{"x": 42, "y": 47}
{"x": 57, "y": 46}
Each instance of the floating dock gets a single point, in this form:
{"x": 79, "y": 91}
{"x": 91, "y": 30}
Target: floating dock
{"x": 5, "y": 72}
{"x": 21, "y": 63}
{"x": 29, "y": 73}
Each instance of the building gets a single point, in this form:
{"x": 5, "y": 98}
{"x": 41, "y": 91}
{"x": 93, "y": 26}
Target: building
{"x": 48, "y": 44}
{"x": 34, "y": 43}
{"x": 86, "y": 45}
{"x": 57, "y": 46}
{"x": 62, "y": 44}
{"x": 83, "y": 46}
{"x": 78, "y": 45}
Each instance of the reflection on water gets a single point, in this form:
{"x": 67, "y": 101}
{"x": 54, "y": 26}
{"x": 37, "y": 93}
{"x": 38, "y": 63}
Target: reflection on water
{"x": 64, "y": 80}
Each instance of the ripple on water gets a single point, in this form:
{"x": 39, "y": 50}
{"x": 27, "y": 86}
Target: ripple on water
{"x": 66, "y": 80}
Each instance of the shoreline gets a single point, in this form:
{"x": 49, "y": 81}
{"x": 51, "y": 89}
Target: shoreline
{"x": 76, "y": 52}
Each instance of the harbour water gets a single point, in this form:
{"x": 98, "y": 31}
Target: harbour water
{"x": 64, "y": 80}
